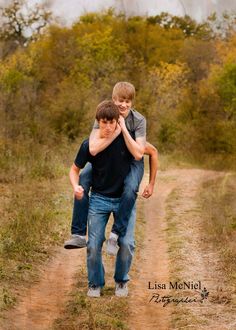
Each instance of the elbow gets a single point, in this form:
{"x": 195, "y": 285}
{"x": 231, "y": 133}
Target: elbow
{"x": 92, "y": 151}
{"x": 138, "y": 156}
{"x": 155, "y": 151}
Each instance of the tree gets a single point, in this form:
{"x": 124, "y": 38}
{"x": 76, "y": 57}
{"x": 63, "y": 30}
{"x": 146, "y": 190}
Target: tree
{"x": 21, "y": 24}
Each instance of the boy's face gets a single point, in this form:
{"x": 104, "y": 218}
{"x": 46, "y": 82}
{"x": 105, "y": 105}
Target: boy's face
{"x": 123, "y": 104}
{"x": 107, "y": 127}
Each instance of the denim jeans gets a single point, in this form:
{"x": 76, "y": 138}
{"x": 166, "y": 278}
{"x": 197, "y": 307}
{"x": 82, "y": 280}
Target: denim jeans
{"x": 80, "y": 210}
{"x": 128, "y": 198}
{"x": 100, "y": 208}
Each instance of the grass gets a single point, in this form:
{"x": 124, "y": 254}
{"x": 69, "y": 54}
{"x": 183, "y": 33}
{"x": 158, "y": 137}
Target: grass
{"x": 107, "y": 312}
{"x": 35, "y": 217}
{"x": 217, "y": 200}
{"x": 34, "y": 224}
{"x": 82, "y": 312}
{"x": 214, "y": 205}
{"x": 35, "y": 211}
{"x": 180, "y": 159}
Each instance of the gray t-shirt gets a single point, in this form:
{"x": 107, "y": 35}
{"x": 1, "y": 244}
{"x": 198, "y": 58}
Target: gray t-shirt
{"x": 135, "y": 123}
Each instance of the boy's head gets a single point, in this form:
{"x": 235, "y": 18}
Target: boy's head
{"x": 107, "y": 115}
{"x": 123, "y": 95}
{"x": 124, "y": 90}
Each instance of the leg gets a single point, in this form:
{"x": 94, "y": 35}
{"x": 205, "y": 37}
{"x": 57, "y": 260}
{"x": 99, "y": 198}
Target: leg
{"x": 99, "y": 212}
{"x": 128, "y": 198}
{"x": 126, "y": 251}
{"x": 80, "y": 210}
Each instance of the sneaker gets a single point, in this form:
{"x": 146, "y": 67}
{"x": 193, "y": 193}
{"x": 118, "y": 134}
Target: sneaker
{"x": 94, "y": 291}
{"x": 76, "y": 242}
{"x": 121, "y": 289}
{"x": 112, "y": 246}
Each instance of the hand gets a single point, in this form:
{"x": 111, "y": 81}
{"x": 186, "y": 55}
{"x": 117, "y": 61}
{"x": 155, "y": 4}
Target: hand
{"x": 148, "y": 191}
{"x": 78, "y": 192}
{"x": 118, "y": 130}
{"x": 121, "y": 122}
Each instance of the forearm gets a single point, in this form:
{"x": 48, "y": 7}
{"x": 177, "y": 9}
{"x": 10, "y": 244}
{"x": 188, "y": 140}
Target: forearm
{"x": 74, "y": 176}
{"x": 153, "y": 165}
{"x": 74, "y": 179}
{"x": 151, "y": 151}
{"x": 98, "y": 144}
{"x": 134, "y": 148}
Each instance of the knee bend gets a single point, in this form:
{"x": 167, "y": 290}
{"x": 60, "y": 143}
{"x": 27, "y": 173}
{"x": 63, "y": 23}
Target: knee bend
{"x": 130, "y": 191}
{"x": 127, "y": 246}
{"x": 94, "y": 249}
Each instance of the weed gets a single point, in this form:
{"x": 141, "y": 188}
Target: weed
{"x": 6, "y": 299}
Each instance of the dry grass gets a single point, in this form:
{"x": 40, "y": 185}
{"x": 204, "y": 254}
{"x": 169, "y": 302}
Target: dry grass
{"x": 194, "y": 252}
{"x": 217, "y": 199}
{"x": 35, "y": 211}
{"x": 107, "y": 312}
{"x": 81, "y": 312}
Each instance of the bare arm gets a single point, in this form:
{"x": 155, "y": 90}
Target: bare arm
{"x": 136, "y": 148}
{"x": 98, "y": 144}
{"x": 153, "y": 163}
{"x": 74, "y": 179}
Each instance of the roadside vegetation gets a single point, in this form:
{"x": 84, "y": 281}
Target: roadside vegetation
{"x": 217, "y": 200}
{"x": 201, "y": 238}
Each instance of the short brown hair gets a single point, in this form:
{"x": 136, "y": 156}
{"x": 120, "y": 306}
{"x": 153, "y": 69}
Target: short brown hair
{"x": 107, "y": 110}
{"x": 124, "y": 90}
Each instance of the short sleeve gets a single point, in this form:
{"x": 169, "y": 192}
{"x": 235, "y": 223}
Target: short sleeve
{"x": 82, "y": 156}
{"x": 140, "y": 130}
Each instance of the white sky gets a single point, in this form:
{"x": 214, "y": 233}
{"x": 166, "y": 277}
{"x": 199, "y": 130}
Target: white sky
{"x": 70, "y": 10}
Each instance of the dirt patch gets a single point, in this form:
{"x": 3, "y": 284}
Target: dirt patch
{"x": 195, "y": 259}
{"x": 152, "y": 263}
{"x": 45, "y": 300}
{"x": 175, "y": 248}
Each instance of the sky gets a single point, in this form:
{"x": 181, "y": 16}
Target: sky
{"x": 69, "y": 10}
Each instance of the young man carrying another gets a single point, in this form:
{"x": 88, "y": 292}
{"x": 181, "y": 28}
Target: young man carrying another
{"x": 109, "y": 170}
{"x": 133, "y": 127}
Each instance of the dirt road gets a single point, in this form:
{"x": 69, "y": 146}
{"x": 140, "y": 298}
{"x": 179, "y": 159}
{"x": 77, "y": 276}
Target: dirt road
{"x": 176, "y": 249}
{"x": 173, "y": 203}
{"x": 44, "y": 301}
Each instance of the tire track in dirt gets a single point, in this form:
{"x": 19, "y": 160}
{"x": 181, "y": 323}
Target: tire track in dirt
{"x": 198, "y": 259}
{"x": 195, "y": 258}
{"x": 42, "y": 303}
{"x": 151, "y": 264}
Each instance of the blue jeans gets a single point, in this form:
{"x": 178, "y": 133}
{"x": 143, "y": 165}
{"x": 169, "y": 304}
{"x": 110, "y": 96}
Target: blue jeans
{"x": 80, "y": 210}
{"x": 128, "y": 197}
{"x": 100, "y": 208}
{"x": 127, "y": 202}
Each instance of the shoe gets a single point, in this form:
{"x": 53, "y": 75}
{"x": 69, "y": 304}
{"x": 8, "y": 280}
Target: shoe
{"x": 94, "y": 291}
{"x": 112, "y": 246}
{"x": 76, "y": 242}
{"x": 121, "y": 289}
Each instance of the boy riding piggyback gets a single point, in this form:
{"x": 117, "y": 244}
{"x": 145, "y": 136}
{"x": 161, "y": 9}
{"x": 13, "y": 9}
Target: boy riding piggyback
{"x": 132, "y": 125}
